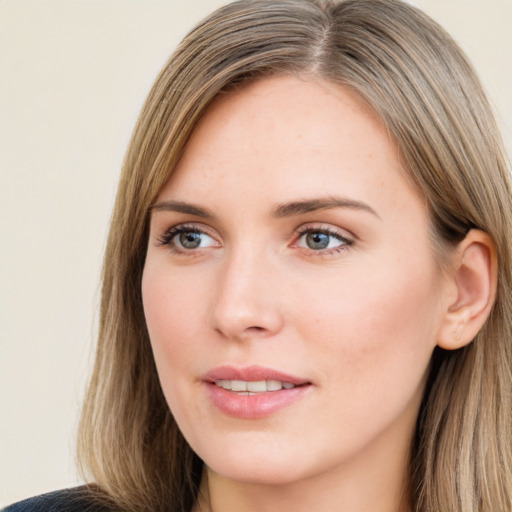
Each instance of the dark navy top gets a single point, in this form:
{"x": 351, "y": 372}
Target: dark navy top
{"x": 77, "y": 499}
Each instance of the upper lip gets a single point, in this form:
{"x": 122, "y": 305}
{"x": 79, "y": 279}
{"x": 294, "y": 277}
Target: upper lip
{"x": 251, "y": 373}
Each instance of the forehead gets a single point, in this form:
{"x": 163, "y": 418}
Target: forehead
{"x": 284, "y": 138}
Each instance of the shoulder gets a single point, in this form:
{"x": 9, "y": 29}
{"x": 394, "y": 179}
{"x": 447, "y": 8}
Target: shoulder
{"x": 77, "y": 499}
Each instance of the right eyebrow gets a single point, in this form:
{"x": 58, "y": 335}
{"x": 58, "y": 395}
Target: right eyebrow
{"x": 181, "y": 207}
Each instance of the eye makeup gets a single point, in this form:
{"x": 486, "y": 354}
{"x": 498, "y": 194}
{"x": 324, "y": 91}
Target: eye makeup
{"x": 322, "y": 240}
{"x": 189, "y": 238}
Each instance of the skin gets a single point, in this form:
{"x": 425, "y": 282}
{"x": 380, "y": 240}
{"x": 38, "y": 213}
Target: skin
{"x": 359, "y": 320}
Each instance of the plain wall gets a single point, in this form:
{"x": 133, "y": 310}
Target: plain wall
{"x": 73, "y": 76}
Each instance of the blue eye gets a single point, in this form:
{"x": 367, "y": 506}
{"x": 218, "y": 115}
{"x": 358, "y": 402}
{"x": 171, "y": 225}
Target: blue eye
{"x": 185, "y": 239}
{"x": 190, "y": 240}
{"x": 322, "y": 239}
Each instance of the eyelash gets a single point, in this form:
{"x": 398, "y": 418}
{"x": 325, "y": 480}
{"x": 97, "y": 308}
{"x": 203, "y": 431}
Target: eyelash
{"x": 304, "y": 231}
{"x": 169, "y": 236}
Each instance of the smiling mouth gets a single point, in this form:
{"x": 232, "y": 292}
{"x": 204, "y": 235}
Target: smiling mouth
{"x": 245, "y": 387}
{"x": 253, "y": 392}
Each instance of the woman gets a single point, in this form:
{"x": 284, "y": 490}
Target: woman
{"x": 306, "y": 293}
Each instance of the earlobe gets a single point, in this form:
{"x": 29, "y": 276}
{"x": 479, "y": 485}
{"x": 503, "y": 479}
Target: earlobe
{"x": 474, "y": 279}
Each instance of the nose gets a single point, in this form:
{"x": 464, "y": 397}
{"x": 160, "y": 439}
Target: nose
{"x": 247, "y": 299}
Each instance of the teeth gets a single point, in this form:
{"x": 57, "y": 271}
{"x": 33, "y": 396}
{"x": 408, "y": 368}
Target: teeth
{"x": 226, "y": 384}
{"x": 238, "y": 385}
{"x": 274, "y": 385}
{"x": 259, "y": 386}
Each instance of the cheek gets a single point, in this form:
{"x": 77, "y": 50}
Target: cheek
{"x": 373, "y": 342}
{"x": 171, "y": 319}
{"x": 172, "y": 314}
{"x": 380, "y": 326}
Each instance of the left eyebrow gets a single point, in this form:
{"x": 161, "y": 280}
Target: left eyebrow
{"x": 322, "y": 203}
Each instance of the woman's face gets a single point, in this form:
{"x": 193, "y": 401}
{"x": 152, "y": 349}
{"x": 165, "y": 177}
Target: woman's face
{"x": 290, "y": 290}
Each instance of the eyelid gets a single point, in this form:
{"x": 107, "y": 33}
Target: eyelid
{"x": 326, "y": 227}
{"x": 343, "y": 235}
{"x": 166, "y": 237}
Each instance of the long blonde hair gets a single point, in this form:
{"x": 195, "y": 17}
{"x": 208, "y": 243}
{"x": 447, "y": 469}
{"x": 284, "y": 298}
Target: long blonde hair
{"x": 418, "y": 81}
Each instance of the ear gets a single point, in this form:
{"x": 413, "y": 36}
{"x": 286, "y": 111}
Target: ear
{"x": 473, "y": 281}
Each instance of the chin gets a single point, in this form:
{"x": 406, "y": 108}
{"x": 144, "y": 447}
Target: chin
{"x": 258, "y": 474}
{"x": 273, "y": 463}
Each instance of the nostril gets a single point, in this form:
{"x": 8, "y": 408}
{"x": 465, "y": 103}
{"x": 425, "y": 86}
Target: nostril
{"x": 255, "y": 331}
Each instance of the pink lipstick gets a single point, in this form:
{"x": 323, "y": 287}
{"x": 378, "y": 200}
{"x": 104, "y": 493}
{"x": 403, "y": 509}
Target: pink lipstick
{"x": 253, "y": 392}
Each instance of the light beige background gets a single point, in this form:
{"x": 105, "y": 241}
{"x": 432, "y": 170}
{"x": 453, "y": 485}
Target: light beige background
{"x": 73, "y": 75}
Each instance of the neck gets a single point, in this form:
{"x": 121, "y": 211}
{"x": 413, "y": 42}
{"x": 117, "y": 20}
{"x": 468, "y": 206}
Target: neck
{"x": 300, "y": 497}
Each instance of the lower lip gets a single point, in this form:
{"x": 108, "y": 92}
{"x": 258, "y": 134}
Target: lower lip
{"x": 255, "y": 406}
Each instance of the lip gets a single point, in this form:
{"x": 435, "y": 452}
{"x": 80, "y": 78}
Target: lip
{"x": 253, "y": 372}
{"x": 255, "y": 406}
